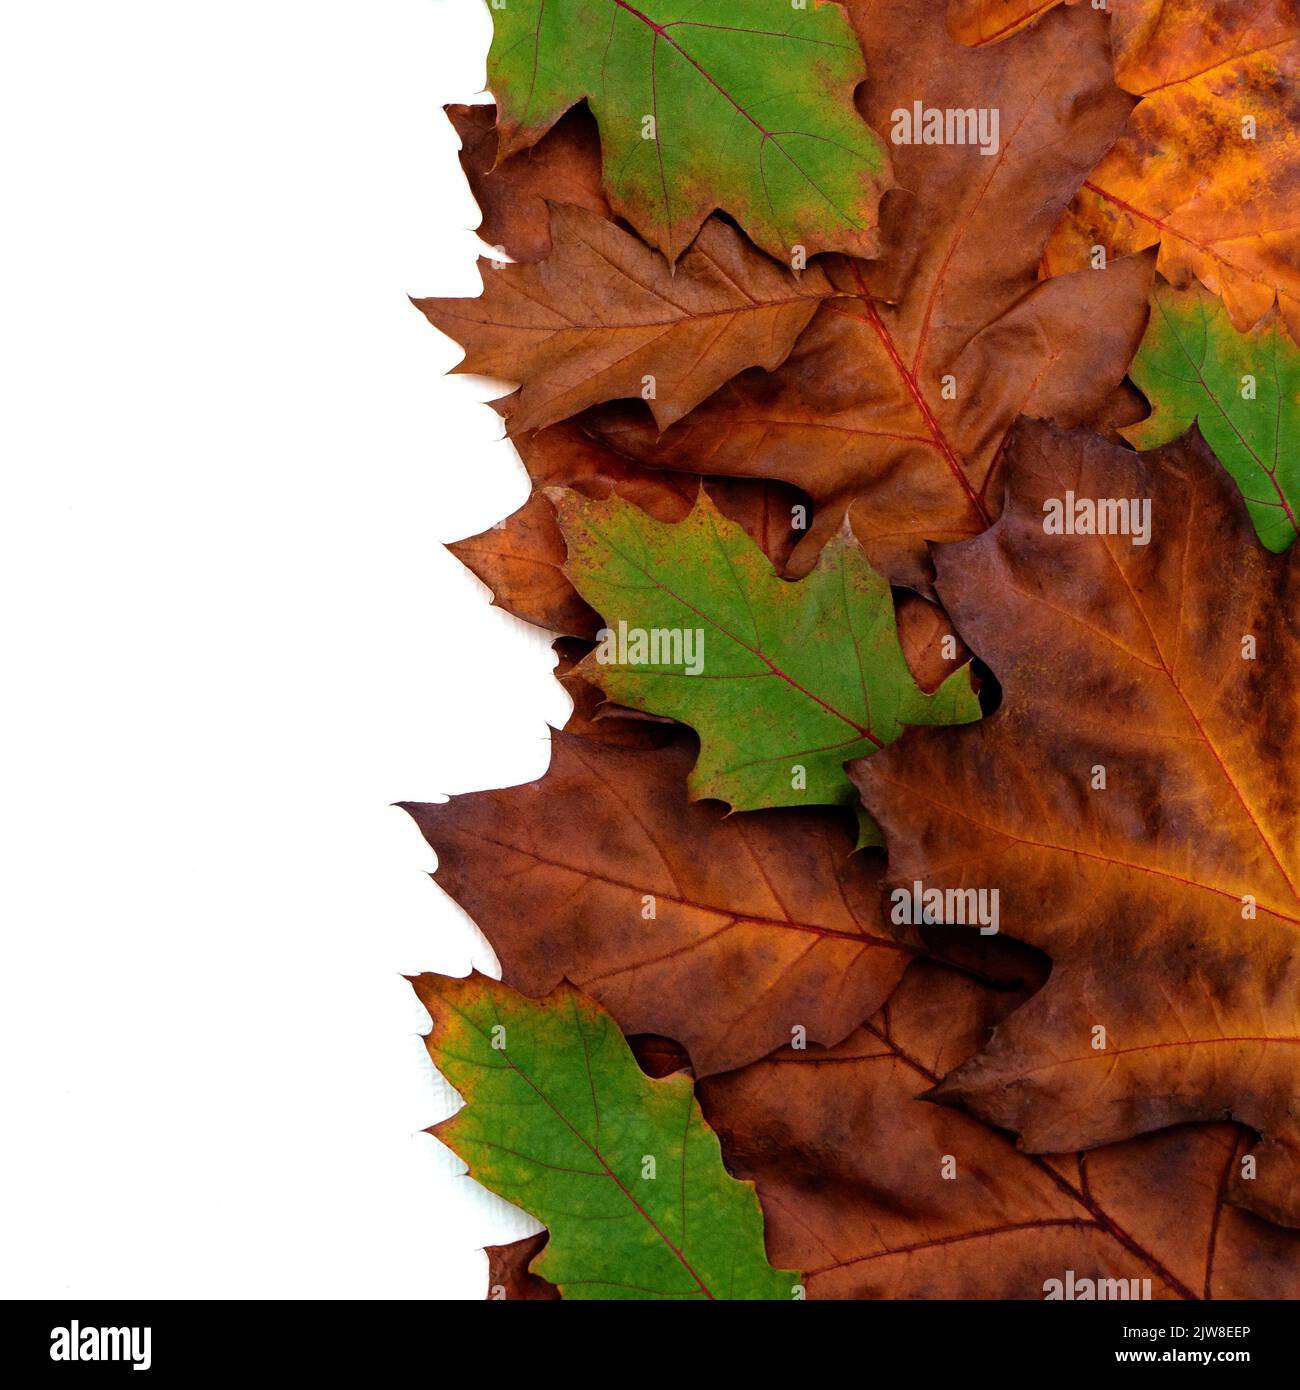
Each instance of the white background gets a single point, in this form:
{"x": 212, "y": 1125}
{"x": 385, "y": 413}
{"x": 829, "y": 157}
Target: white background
{"x": 231, "y": 639}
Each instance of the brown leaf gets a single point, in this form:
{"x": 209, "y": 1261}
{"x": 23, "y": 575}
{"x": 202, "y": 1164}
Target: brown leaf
{"x": 849, "y": 1164}
{"x": 1169, "y": 898}
{"x": 598, "y": 718}
{"x": 859, "y": 410}
{"x": 923, "y": 629}
{"x": 761, "y": 922}
{"x": 603, "y": 315}
{"x": 564, "y": 167}
{"x": 980, "y": 22}
{"x": 508, "y": 1273}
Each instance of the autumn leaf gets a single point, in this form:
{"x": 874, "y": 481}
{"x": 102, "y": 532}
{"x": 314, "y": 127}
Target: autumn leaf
{"x": 746, "y": 106}
{"x": 751, "y": 475}
{"x": 1242, "y": 389}
{"x": 595, "y": 717}
{"x": 980, "y": 22}
{"x": 1132, "y": 802}
{"x": 899, "y": 397}
{"x": 877, "y": 1194}
{"x": 514, "y": 194}
{"x": 1209, "y": 169}
{"x": 784, "y": 682}
{"x": 621, "y": 1169}
{"x": 724, "y": 933}
{"x": 521, "y": 559}
{"x": 604, "y": 317}
{"x": 509, "y": 1276}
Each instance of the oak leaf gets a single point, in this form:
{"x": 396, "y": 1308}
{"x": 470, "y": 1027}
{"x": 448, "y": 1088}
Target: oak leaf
{"x": 513, "y": 194}
{"x": 746, "y": 106}
{"x": 1209, "y": 169}
{"x": 783, "y": 681}
{"x": 509, "y": 1277}
{"x": 875, "y": 1193}
{"x": 604, "y": 317}
{"x": 900, "y": 395}
{"x": 1133, "y": 802}
{"x": 724, "y": 933}
{"x": 979, "y": 22}
{"x": 1241, "y": 389}
{"x": 621, "y": 1169}
{"x": 595, "y": 717}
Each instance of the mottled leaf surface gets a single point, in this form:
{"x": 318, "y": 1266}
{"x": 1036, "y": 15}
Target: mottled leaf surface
{"x": 1209, "y": 169}
{"x": 1169, "y": 898}
{"x": 877, "y": 1193}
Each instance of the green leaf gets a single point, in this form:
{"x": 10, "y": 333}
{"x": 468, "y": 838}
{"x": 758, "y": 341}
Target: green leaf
{"x": 1242, "y": 389}
{"x": 744, "y": 105}
{"x": 793, "y": 679}
{"x": 622, "y": 1170}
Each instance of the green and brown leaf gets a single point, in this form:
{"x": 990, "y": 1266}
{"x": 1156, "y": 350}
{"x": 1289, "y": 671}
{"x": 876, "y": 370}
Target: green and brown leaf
{"x": 622, "y": 1169}
{"x": 785, "y": 682}
{"x": 742, "y": 105}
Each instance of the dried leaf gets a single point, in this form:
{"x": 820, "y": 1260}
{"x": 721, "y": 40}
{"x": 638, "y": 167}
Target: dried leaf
{"x": 603, "y": 317}
{"x": 877, "y": 1194}
{"x": 1210, "y": 168}
{"x": 747, "y": 108}
{"x": 901, "y": 397}
{"x": 509, "y": 1276}
{"x": 980, "y": 22}
{"x": 623, "y": 1170}
{"x": 513, "y": 193}
{"x": 1132, "y": 802}
{"x": 724, "y": 933}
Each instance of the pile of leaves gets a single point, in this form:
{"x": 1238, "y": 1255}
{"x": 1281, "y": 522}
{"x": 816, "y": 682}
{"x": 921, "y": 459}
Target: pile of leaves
{"x": 912, "y": 403}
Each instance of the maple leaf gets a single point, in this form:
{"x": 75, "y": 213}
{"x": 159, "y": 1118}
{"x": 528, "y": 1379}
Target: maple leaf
{"x": 725, "y": 933}
{"x": 1132, "y": 802}
{"x": 621, "y": 1169}
{"x": 521, "y": 559}
{"x": 603, "y": 315}
{"x": 784, "y": 682}
{"x": 743, "y": 105}
{"x": 1241, "y": 389}
{"x": 900, "y": 396}
{"x": 1210, "y": 167}
{"x": 876, "y": 1194}
{"x": 513, "y": 193}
